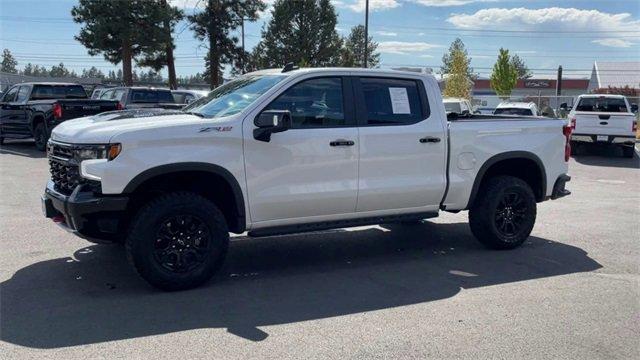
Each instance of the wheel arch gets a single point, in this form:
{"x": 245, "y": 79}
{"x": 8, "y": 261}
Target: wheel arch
{"x": 521, "y": 164}
{"x": 209, "y": 180}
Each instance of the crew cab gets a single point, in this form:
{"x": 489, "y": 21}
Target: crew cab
{"x": 139, "y": 97}
{"x": 516, "y": 108}
{"x": 604, "y": 119}
{"x": 34, "y": 109}
{"x": 293, "y": 150}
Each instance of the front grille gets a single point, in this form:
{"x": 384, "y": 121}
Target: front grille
{"x": 65, "y": 172}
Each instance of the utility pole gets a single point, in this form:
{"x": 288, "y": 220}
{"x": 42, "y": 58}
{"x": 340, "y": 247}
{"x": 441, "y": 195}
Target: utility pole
{"x": 558, "y": 87}
{"x": 366, "y": 33}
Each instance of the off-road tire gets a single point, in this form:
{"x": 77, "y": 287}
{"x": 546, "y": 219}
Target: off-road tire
{"x": 141, "y": 240}
{"x": 485, "y": 219}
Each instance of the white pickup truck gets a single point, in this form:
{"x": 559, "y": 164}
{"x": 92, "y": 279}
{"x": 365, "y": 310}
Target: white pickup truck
{"x": 604, "y": 119}
{"x": 294, "y": 150}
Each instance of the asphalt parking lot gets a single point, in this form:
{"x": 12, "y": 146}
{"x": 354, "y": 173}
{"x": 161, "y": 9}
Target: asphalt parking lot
{"x": 430, "y": 290}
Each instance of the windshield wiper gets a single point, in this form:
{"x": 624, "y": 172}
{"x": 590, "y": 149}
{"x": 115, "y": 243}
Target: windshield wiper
{"x": 195, "y": 113}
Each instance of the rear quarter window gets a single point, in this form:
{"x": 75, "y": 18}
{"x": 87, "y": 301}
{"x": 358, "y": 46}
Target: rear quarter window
{"x": 391, "y": 101}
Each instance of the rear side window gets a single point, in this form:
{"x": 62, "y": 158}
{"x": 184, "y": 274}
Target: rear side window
{"x": 391, "y": 101}
{"x": 42, "y": 92}
{"x": 151, "y": 96}
{"x": 602, "y": 104}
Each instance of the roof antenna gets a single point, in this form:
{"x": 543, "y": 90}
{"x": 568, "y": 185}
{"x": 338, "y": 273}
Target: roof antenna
{"x": 289, "y": 66}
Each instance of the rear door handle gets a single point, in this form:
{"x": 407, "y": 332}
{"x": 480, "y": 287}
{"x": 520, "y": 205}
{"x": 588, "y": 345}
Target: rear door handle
{"x": 342, "y": 142}
{"x": 430, "y": 139}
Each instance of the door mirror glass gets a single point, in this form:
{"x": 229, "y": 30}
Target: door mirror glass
{"x": 634, "y": 108}
{"x": 269, "y": 122}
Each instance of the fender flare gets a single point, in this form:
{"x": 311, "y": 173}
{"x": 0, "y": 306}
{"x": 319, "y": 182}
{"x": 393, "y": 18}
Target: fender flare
{"x": 507, "y": 156}
{"x": 193, "y": 166}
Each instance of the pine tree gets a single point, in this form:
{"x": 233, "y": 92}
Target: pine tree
{"x": 215, "y": 24}
{"x": 120, "y": 30}
{"x": 9, "y": 63}
{"x": 302, "y": 32}
{"x": 504, "y": 76}
{"x": 521, "y": 67}
{"x": 93, "y": 72}
{"x": 447, "y": 59}
{"x": 458, "y": 83}
{"x": 59, "y": 71}
{"x": 352, "y": 53}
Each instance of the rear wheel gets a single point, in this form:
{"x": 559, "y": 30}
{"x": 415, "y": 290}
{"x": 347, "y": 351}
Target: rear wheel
{"x": 504, "y": 213}
{"x": 628, "y": 151}
{"x": 40, "y": 137}
{"x": 178, "y": 241}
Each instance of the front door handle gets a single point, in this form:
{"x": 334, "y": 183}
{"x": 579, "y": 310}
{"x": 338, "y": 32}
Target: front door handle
{"x": 342, "y": 142}
{"x": 430, "y": 139}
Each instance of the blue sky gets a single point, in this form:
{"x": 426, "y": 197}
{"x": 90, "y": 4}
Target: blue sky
{"x": 571, "y": 33}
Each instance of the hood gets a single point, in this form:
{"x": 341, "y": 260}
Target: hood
{"x": 99, "y": 129}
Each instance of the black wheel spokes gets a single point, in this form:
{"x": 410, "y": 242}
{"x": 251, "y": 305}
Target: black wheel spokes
{"x": 510, "y": 214}
{"x": 182, "y": 243}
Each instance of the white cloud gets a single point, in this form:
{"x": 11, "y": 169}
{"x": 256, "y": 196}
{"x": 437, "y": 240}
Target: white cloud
{"x": 426, "y": 56}
{"x": 403, "y": 48}
{"x": 613, "y": 42}
{"x": 386, "y": 33}
{"x": 443, "y": 3}
{"x": 374, "y": 5}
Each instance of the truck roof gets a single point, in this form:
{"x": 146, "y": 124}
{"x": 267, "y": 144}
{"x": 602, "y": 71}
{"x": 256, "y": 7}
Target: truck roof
{"x": 602, "y": 95}
{"x": 50, "y": 83}
{"x": 355, "y": 71}
{"x": 520, "y": 105}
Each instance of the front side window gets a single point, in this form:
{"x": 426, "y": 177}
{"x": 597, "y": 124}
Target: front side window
{"x": 106, "y": 95}
{"x": 313, "y": 103}
{"x": 23, "y": 94}
{"x": 391, "y": 101}
{"x": 234, "y": 96}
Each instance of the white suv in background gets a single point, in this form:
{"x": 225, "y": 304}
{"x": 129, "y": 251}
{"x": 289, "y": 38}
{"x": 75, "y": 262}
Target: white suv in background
{"x": 516, "y": 108}
{"x": 460, "y": 106}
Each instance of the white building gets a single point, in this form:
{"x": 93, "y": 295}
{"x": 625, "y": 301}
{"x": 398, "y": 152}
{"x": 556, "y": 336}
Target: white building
{"x": 615, "y": 74}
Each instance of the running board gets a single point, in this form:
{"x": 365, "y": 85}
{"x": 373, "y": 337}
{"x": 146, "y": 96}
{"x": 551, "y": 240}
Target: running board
{"x": 337, "y": 224}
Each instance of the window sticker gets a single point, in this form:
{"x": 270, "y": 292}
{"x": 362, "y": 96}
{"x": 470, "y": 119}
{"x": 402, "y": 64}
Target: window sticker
{"x": 399, "y": 100}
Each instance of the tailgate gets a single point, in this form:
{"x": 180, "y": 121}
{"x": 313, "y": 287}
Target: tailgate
{"x": 72, "y": 109}
{"x": 600, "y": 123}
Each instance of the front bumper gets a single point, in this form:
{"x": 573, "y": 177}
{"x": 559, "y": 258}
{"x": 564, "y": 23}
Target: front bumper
{"x": 82, "y": 211}
{"x": 610, "y": 139}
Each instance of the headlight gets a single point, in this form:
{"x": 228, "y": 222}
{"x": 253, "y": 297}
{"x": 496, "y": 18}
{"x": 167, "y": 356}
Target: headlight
{"x": 91, "y": 152}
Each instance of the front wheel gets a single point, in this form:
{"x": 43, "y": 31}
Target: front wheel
{"x": 177, "y": 241}
{"x": 504, "y": 213}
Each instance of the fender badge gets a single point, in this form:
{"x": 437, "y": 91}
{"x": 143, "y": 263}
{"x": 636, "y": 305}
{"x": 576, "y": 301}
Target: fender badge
{"x": 216, "y": 128}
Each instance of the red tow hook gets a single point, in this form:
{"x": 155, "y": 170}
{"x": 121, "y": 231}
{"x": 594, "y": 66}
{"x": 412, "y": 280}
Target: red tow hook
{"x": 58, "y": 219}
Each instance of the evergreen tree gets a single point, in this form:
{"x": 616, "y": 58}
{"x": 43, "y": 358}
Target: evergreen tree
{"x": 159, "y": 58}
{"x": 458, "y": 83}
{"x": 120, "y": 29}
{"x": 215, "y": 24}
{"x": 504, "y": 76}
{"x": 521, "y": 67}
{"x": 9, "y": 63}
{"x": 447, "y": 59}
{"x": 352, "y": 54}
{"x": 60, "y": 71}
{"x": 302, "y": 32}
{"x": 93, "y": 72}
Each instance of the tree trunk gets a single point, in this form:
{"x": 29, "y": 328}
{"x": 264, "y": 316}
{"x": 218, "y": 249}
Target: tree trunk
{"x": 213, "y": 61}
{"x": 171, "y": 67}
{"x": 126, "y": 63}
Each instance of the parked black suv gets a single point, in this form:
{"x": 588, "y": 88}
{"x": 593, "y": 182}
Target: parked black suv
{"x": 34, "y": 109}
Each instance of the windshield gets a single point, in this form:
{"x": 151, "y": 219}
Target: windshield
{"x": 453, "y": 107}
{"x": 513, "y": 111}
{"x": 602, "y": 104}
{"x": 234, "y": 96}
{"x": 41, "y": 92}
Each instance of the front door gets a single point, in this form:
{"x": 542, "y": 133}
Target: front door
{"x": 402, "y": 146}
{"x": 310, "y": 170}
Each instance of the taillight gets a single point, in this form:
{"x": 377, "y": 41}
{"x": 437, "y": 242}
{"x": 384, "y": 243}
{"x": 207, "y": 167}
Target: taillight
{"x": 634, "y": 127}
{"x": 57, "y": 110}
{"x": 573, "y": 123}
{"x": 119, "y": 106}
{"x": 566, "y": 131}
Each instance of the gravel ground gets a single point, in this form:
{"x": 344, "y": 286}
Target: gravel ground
{"x": 572, "y": 291}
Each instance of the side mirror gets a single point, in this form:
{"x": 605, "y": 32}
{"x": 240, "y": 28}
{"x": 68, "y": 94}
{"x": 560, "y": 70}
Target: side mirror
{"x": 563, "y": 106}
{"x": 634, "y": 108}
{"x": 269, "y": 122}
{"x": 452, "y": 116}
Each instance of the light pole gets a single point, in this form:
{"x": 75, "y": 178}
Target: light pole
{"x": 366, "y": 32}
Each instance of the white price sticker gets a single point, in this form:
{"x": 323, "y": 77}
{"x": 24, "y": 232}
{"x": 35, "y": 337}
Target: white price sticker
{"x": 399, "y": 100}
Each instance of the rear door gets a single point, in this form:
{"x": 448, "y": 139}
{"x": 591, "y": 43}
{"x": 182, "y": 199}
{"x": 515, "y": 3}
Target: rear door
{"x": 603, "y": 116}
{"x": 310, "y": 170}
{"x": 402, "y": 146}
{"x": 13, "y": 111}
